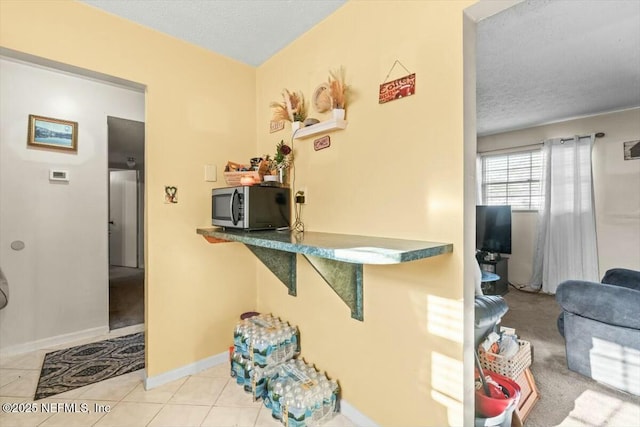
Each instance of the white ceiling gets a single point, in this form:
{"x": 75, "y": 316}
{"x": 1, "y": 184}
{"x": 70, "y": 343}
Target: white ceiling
{"x": 250, "y": 31}
{"x": 537, "y": 62}
{"x": 545, "y": 61}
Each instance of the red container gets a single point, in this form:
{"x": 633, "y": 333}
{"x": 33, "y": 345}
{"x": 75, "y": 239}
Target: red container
{"x": 489, "y": 407}
{"x": 248, "y": 314}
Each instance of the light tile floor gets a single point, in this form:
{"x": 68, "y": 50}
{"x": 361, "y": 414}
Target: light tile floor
{"x": 209, "y": 398}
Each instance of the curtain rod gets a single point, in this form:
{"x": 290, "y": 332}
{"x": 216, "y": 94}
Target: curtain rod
{"x": 597, "y": 135}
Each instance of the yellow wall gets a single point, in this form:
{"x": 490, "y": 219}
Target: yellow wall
{"x": 199, "y": 109}
{"x": 396, "y": 171}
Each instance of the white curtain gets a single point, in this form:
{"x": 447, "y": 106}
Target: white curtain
{"x": 478, "y": 179}
{"x": 566, "y": 246}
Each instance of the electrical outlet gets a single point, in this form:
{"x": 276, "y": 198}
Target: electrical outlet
{"x": 301, "y": 196}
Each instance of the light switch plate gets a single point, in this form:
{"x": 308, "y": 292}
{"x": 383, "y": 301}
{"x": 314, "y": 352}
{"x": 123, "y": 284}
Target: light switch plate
{"x": 210, "y": 173}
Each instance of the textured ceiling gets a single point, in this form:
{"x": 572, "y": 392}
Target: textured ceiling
{"x": 537, "y": 62}
{"x": 545, "y": 61}
{"x": 250, "y": 31}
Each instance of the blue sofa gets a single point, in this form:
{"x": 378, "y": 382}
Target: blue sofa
{"x": 601, "y": 326}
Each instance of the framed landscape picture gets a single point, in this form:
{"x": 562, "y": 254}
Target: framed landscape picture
{"x": 632, "y": 150}
{"x": 52, "y": 134}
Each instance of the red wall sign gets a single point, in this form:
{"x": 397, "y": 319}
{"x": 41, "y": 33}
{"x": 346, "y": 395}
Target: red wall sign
{"x": 396, "y": 89}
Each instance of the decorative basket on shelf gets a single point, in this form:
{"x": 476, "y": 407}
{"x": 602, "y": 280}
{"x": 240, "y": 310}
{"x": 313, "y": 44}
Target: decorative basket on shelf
{"x": 510, "y": 368}
{"x": 235, "y": 174}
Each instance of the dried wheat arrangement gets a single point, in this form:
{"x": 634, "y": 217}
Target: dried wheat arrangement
{"x": 337, "y": 88}
{"x": 292, "y": 108}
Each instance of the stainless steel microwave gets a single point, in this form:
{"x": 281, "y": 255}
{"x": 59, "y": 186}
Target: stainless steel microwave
{"x": 251, "y": 207}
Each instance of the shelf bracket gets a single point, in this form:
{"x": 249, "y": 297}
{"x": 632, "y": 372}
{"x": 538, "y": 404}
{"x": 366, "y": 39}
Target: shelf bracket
{"x": 345, "y": 279}
{"x": 282, "y": 264}
{"x": 338, "y": 258}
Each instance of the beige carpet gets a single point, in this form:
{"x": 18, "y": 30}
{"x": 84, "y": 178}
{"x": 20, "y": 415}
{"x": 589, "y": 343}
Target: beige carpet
{"x": 126, "y": 297}
{"x": 566, "y": 398}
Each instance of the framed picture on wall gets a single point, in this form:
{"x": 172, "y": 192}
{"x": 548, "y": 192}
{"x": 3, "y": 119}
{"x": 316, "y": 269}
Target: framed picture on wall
{"x": 632, "y": 150}
{"x": 52, "y": 134}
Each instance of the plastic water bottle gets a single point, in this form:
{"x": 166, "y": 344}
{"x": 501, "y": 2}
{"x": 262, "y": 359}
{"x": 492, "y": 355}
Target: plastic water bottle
{"x": 286, "y": 401}
{"x": 297, "y": 410}
{"x": 314, "y": 406}
{"x": 238, "y": 368}
{"x": 335, "y": 394}
{"x": 295, "y": 340}
{"x": 248, "y": 373}
{"x": 237, "y": 333}
{"x": 273, "y": 355}
{"x": 322, "y": 390}
{"x": 260, "y": 345}
{"x": 244, "y": 342}
{"x": 271, "y": 390}
{"x": 277, "y": 399}
{"x": 260, "y": 382}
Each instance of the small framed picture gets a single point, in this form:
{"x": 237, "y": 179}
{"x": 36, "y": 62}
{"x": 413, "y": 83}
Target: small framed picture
{"x": 275, "y": 126}
{"x": 322, "y": 143}
{"x": 632, "y": 150}
{"x": 52, "y": 134}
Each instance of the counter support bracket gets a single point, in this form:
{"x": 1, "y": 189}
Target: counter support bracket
{"x": 345, "y": 279}
{"x": 282, "y": 264}
{"x": 338, "y": 258}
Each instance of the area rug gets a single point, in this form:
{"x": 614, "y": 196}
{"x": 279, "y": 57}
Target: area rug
{"x": 79, "y": 366}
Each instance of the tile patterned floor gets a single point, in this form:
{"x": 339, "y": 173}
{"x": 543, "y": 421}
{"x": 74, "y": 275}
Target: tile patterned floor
{"x": 209, "y": 398}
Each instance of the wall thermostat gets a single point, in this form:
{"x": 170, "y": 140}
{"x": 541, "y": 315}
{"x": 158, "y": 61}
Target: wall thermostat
{"x": 58, "y": 175}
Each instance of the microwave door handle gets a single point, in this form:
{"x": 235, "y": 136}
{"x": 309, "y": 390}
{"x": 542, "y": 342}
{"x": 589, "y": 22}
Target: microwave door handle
{"x": 234, "y": 197}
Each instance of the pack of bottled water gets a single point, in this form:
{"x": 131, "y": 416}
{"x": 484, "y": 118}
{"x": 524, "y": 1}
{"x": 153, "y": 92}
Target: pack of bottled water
{"x": 263, "y": 363}
{"x": 300, "y": 396}
{"x": 259, "y": 343}
{"x": 266, "y": 340}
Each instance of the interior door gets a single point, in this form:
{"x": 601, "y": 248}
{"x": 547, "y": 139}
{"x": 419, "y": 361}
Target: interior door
{"x": 123, "y": 214}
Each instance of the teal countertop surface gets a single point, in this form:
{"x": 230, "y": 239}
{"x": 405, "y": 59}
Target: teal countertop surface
{"x": 340, "y": 247}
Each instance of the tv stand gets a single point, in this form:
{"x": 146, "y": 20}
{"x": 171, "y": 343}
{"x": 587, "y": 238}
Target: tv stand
{"x": 497, "y": 266}
{"x": 491, "y": 256}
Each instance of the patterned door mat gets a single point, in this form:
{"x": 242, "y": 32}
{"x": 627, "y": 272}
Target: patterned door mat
{"x": 79, "y": 366}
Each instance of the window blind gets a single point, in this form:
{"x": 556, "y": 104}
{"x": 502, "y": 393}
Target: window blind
{"x": 513, "y": 179}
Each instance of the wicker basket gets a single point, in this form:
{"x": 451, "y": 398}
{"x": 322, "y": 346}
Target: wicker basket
{"x": 233, "y": 178}
{"x": 510, "y": 368}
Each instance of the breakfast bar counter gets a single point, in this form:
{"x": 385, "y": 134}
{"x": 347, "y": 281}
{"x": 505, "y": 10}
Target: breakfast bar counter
{"x": 340, "y": 247}
{"x": 338, "y": 258}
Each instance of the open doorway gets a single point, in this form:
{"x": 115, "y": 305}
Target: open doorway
{"x": 537, "y": 79}
{"x": 126, "y": 222}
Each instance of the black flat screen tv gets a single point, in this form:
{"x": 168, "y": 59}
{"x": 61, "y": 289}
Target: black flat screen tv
{"x": 493, "y": 229}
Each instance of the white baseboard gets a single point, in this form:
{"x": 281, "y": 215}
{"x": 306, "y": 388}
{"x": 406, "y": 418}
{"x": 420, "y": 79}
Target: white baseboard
{"x": 346, "y": 409}
{"x": 191, "y": 369}
{"x": 53, "y": 341}
{"x": 357, "y": 418}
